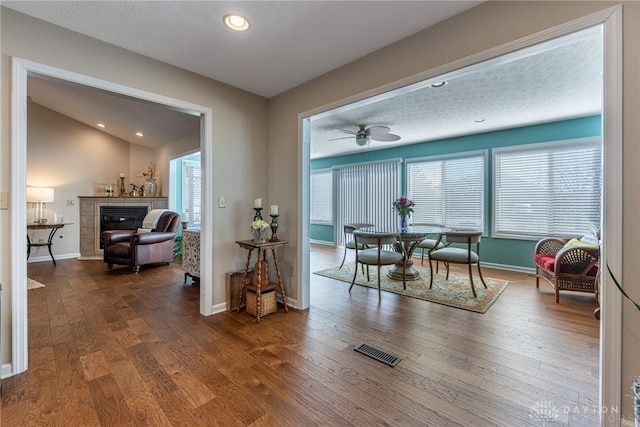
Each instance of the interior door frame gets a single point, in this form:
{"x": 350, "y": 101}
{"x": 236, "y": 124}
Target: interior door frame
{"x": 21, "y": 69}
{"x": 610, "y": 390}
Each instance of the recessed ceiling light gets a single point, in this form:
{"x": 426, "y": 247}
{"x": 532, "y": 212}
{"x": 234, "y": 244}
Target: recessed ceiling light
{"x": 139, "y": 134}
{"x": 439, "y": 85}
{"x": 101, "y": 125}
{"x": 236, "y": 22}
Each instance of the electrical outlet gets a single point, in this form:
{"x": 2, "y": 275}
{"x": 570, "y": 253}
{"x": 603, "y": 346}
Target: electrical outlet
{"x": 292, "y": 271}
{"x": 71, "y": 202}
{"x": 40, "y": 240}
{"x": 4, "y": 202}
{"x": 222, "y": 203}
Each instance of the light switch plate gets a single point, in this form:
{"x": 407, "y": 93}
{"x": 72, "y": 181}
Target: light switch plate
{"x": 4, "y": 202}
{"x": 222, "y": 203}
{"x": 71, "y": 202}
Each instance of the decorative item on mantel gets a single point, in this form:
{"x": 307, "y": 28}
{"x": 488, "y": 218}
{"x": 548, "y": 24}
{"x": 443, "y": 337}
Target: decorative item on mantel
{"x": 404, "y": 208}
{"x": 123, "y": 191}
{"x": 149, "y": 188}
{"x": 274, "y": 223}
{"x": 259, "y": 231}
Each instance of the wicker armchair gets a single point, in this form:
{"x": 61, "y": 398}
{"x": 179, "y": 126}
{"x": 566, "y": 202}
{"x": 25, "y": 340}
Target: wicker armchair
{"x": 566, "y": 268}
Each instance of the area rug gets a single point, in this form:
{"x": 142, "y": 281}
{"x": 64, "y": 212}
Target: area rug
{"x": 33, "y": 284}
{"x": 455, "y": 292}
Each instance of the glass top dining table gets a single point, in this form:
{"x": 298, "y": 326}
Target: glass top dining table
{"x": 408, "y": 243}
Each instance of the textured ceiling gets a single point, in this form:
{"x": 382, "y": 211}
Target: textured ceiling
{"x": 557, "y": 80}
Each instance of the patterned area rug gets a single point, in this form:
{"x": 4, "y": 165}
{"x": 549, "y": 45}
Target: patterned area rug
{"x": 455, "y": 292}
{"x": 33, "y": 284}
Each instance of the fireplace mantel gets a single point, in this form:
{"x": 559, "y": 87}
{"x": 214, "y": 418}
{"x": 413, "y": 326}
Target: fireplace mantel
{"x": 90, "y": 218}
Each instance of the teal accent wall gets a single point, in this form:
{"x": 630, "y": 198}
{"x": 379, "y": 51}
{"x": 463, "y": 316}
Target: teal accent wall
{"x": 510, "y": 252}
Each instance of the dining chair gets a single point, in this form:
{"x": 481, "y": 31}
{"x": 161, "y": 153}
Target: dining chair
{"x": 459, "y": 255}
{"x": 349, "y": 243}
{"x": 429, "y": 244}
{"x": 368, "y": 255}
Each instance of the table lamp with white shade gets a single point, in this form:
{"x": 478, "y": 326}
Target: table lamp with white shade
{"x": 39, "y": 196}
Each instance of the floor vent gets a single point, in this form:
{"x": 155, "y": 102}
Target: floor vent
{"x": 379, "y": 355}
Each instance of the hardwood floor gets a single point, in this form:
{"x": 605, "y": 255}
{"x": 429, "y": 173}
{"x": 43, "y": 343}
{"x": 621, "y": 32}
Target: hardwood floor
{"x": 116, "y": 349}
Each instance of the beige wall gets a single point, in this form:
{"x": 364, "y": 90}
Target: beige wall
{"x": 238, "y": 143}
{"x": 487, "y": 26}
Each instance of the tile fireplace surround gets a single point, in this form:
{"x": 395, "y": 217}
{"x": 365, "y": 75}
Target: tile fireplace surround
{"x": 90, "y": 219}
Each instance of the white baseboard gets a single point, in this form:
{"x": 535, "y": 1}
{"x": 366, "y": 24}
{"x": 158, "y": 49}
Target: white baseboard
{"x": 322, "y": 242}
{"x": 47, "y": 257}
{"x": 6, "y": 371}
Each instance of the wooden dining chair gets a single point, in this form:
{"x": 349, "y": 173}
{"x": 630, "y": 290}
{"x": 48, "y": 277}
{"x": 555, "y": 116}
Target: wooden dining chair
{"x": 349, "y": 243}
{"x": 458, "y": 255}
{"x": 377, "y": 255}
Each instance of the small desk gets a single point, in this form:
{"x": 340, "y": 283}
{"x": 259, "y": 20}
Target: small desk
{"x": 250, "y": 245}
{"x": 54, "y": 227}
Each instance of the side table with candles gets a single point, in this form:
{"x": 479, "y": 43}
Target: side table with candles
{"x": 53, "y": 228}
{"x": 257, "y": 286}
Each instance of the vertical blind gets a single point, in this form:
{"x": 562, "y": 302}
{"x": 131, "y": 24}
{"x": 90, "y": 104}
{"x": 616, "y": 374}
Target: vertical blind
{"x": 365, "y": 193}
{"x": 321, "y": 190}
{"x": 191, "y": 185}
{"x": 550, "y": 189}
{"x": 448, "y": 190}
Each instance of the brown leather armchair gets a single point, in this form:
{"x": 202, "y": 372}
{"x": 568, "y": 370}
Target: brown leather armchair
{"x": 128, "y": 247}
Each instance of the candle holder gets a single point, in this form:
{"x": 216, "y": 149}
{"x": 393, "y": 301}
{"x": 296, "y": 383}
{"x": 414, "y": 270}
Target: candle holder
{"x": 274, "y": 228}
{"x": 258, "y": 215}
{"x": 123, "y": 191}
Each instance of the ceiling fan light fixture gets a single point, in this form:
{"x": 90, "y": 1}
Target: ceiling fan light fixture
{"x": 362, "y": 139}
{"x": 236, "y": 22}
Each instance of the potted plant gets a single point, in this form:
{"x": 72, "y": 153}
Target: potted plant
{"x": 635, "y": 382}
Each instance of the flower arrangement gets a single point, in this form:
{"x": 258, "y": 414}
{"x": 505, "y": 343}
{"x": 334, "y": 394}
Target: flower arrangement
{"x": 150, "y": 173}
{"x": 258, "y": 224}
{"x": 403, "y": 206}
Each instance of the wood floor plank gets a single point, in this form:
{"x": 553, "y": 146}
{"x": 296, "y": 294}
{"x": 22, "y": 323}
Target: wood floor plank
{"x": 114, "y": 348}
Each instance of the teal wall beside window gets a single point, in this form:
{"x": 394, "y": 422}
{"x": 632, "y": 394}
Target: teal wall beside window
{"x": 508, "y": 252}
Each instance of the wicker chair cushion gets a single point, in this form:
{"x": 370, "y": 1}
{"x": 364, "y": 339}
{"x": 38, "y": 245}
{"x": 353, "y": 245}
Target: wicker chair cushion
{"x": 548, "y": 262}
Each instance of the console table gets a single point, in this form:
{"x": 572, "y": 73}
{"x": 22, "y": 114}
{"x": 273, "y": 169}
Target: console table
{"x": 54, "y": 227}
{"x": 191, "y": 255}
{"x": 250, "y": 246}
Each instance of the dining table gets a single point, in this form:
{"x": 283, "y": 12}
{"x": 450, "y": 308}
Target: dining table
{"x": 407, "y": 243}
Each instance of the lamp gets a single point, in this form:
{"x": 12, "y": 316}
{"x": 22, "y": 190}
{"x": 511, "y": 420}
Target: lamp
{"x": 39, "y": 196}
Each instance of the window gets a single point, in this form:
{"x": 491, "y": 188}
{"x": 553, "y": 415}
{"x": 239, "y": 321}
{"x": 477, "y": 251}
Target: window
{"x": 448, "y": 190}
{"x": 321, "y": 197}
{"x": 549, "y": 189}
{"x": 191, "y": 185}
{"x": 365, "y": 193}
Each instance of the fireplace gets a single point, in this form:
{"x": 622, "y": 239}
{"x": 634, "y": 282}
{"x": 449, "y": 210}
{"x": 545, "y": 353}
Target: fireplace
{"x": 91, "y": 216}
{"x": 121, "y": 218}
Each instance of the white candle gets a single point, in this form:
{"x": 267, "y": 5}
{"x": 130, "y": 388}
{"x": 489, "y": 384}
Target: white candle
{"x": 257, "y": 203}
{"x": 121, "y": 174}
{"x": 274, "y": 209}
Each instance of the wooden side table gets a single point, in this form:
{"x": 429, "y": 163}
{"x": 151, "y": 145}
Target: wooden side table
{"x": 250, "y": 246}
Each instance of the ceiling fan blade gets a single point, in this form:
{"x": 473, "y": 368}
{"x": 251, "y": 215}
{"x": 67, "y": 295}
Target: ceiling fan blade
{"x": 343, "y": 137}
{"x": 350, "y": 132}
{"x": 376, "y": 131}
{"x": 386, "y": 137}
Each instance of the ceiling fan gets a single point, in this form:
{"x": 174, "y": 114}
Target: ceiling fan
{"x": 364, "y": 134}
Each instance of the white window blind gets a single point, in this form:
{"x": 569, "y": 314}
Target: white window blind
{"x": 191, "y": 185}
{"x": 321, "y": 187}
{"x": 365, "y": 193}
{"x": 550, "y": 189}
{"x": 448, "y": 190}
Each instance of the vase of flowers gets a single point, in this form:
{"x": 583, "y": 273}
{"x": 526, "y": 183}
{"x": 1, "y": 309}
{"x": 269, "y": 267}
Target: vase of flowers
{"x": 259, "y": 231}
{"x": 150, "y": 187}
{"x": 404, "y": 208}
